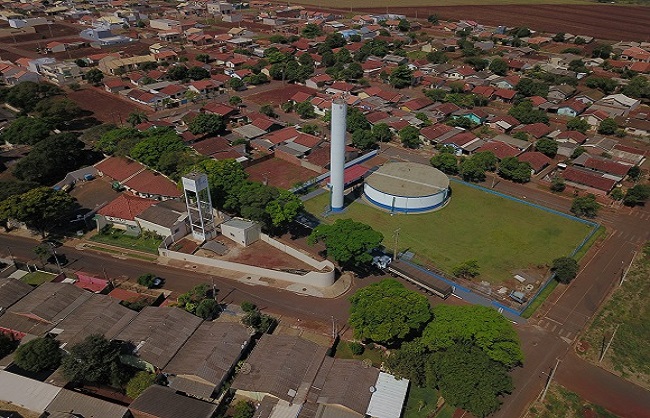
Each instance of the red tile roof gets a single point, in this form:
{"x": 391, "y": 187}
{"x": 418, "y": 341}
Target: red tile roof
{"x": 152, "y": 183}
{"x": 354, "y": 173}
{"x": 500, "y": 149}
{"x": 211, "y": 146}
{"x": 506, "y": 94}
{"x": 418, "y": 103}
{"x": 537, "y": 130}
{"x": 301, "y": 96}
{"x": 126, "y": 206}
{"x": 576, "y": 136}
{"x": 435, "y": 131}
{"x": 607, "y": 166}
{"x": 90, "y": 283}
{"x": 220, "y": 109}
{"x": 125, "y": 295}
{"x": 119, "y": 168}
{"x": 461, "y": 139}
{"x": 485, "y": 91}
{"x": 307, "y": 140}
{"x": 282, "y": 135}
{"x": 587, "y": 178}
{"x": 537, "y": 160}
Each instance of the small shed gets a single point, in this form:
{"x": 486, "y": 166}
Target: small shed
{"x": 242, "y": 231}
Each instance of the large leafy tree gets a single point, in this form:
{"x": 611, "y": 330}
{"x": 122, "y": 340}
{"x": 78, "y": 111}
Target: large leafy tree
{"x": 525, "y": 113}
{"x": 41, "y": 208}
{"x": 547, "y": 147}
{"x": 386, "y": 312}
{"x": 479, "y": 325}
{"x": 637, "y": 195}
{"x": 445, "y": 162}
{"x": 401, "y": 77}
{"x": 26, "y": 130}
{"x": 224, "y": 176}
{"x": 284, "y": 208}
{"x": 58, "y": 110}
{"x": 94, "y": 76}
{"x": 410, "y": 136}
{"x": 208, "y": 124}
{"x": 51, "y": 159}
{"x": 26, "y": 95}
{"x": 149, "y": 150}
{"x": 38, "y": 355}
{"x": 585, "y": 206}
{"x": 513, "y": 169}
{"x": 472, "y": 170}
{"x": 139, "y": 383}
{"x": 356, "y": 120}
{"x": 468, "y": 378}
{"x": 347, "y": 241}
{"x": 565, "y": 268}
{"x": 95, "y": 360}
{"x": 499, "y": 66}
{"x": 114, "y": 141}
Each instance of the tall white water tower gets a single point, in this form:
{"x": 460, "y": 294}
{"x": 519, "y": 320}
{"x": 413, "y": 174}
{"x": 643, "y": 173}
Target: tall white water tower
{"x": 337, "y": 153}
{"x": 199, "y": 206}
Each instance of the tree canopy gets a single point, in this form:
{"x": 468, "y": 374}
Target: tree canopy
{"x": 401, "y": 77}
{"x": 41, "y": 208}
{"x": 26, "y": 95}
{"x": 547, "y": 147}
{"x": 387, "y": 312}
{"x": 565, "y": 268}
{"x": 512, "y": 169}
{"x": 95, "y": 360}
{"x": 208, "y": 124}
{"x": 347, "y": 241}
{"x": 585, "y": 206}
{"x": 479, "y": 325}
{"x": 139, "y": 383}
{"x": 26, "y": 130}
{"x": 38, "y": 355}
{"x": 637, "y": 195}
{"x": 445, "y": 162}
{"x": 410, "y": 136}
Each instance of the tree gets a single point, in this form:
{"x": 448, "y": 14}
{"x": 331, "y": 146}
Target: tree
{"x": 364, "y": 139}
{"x": 198, "y": 73}
{"x": 356, "y": 120}
{"x": 433, "y": 19}
{"x": 558, "y": 37}
{"x": 386, "y": 312}
{"x": 637, "y": 195}
{"x": 38, "y": 355}
{"x": 305, "y": 110}
{"x": 311, "y": 31}
{"x": 178, "y": 72}
{"x": 51, "y": 159}
{"x": 401, "y": 77}
{"x": 150, "y": 150}
{"x": 57, "y": 110}
{"x": 525, "y": 113}
{"x": 224, "y": 177}
{"x": 577, "y": 124}
{"x": 136, "y": 118}
{"x": 147, "y": 280}
{"x": 26, "y": 130}
{"x": 565, "y": 268}
{"x": 606, "y": 85}
{"x": 585, "y": 206}
{"x": 236, "y": 84}
{"x": 404, "y": 25}
{"x": 479, "y": 64}
{"x": 382, "y": 132}
{"x": 499, "y": 66}
{"x": 486, "y": 159}
{"x": 638, "y": 87}
{"x": 262, "y": 323}
{"x": 608, "y": 126}
{"x": 207, "y": 124}
{"x": 191, "y": 299}
{"x": 235, "y": 100}
{"x": 602, "y": 51}
{"x": 42, "y": 252}
{"x": 139, "y": 383}
{"x": 268, "y": 110}
{"x": 410, "y": 136}
{"x": 557, "y": 184}
{"x": 204, "y": 58}
{"x": 547, "y": 147}
{"x": 472, "y": 170}
{"x": 94, "y": 76}
{"x": 445, "y": 162}
{"x": 27, "y": 94}
{"x": 41, "y": 208}
{"x": 95, "y": 360}
{"x": 635, "y": 173}
{"x": 466, "y": 269}
{"x": 616, "y": 194}
{"x": 468, "y": 378}
{"x": 437, "y": 57}
{"x": 208, "y": 309}
{"x": 7, "y": 345}
{"x": 527, "y": 87}
{"x": 243, "y": 408}
{"x": 409, "y": 362}
{"x": 479, "y": 325}
{"x": 347, "y": 241}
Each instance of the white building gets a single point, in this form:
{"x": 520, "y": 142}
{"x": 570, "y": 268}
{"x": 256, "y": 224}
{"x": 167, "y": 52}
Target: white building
{"x": 242, "y": 231}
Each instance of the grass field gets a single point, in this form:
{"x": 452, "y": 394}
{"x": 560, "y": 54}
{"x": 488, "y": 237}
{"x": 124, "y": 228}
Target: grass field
{"x": 504, "y": 236}
{"x": 37, "y": 278}
{"x": 561, "y": 403}
{"x": 117, "y": 238}
{"x": 628, "y": 308}
{"x": 421, "y": 402}
{"x": 374, "y": 355}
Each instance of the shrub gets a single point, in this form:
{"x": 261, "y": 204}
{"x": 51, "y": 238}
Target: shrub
{"x": 356, "y": 348}
{"x": 139, "y": 383}
{"x": 38, "y": 355}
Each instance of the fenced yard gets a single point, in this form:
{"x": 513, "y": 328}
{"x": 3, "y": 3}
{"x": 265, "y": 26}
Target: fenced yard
{"x": 143, "y": 242}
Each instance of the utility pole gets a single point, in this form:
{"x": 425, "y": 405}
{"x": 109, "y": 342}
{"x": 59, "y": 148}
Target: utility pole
{"x": 396, "y": 243}
{"x": 628, "y": 269}
{"x": 333, "y": 328}
{"x": 602, "y": 356}
{"x": 550, "y": 379}
{"x": 13, "y": 260}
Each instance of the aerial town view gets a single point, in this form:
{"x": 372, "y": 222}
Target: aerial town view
{"x": 324, "y": 209}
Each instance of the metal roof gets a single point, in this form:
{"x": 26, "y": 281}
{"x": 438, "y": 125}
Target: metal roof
{"x": 73, "y": 404}
{"x": 408, "y": 179}
{"x": 11, "y": 291}
{"x": 27, "y": 393}
{"x": 388, "y": 398}
{"x": 164, "y": 402}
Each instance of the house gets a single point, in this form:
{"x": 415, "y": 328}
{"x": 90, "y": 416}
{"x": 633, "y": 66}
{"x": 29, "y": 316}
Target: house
{"x": 603, "y": 165}
{"x": 476, "y": 116}
{"x": 416, "y": 104}
{"x": 221, "y": 109}
{"x": 537, "y": 130}
{"x": 560, "y": 92}
{"x": 634, "y": 126}
{"x": 571, "y": 136}
{"x": 438, "y": 133}
{"x": 114, "y": 85}
{"x": 207, "y": 359}
{"x": 571, "y": 108}
{"x": 26, "y": 393}
{"x": 464, "y": 143}
{"x": 594, "y": 116}
{"x": 318, "y": 81}
{"x": 166, "y": 218}
{"x": 504, "y": 95}
{"x": 459, "y": 73}
{"x": 616, "y": 105}
{"x": 152, "y": 185}
{"x": 628, "y": 154}
{"x": 589, "y": 180}
{"x": 11, "y": 291}
{"x": 40, "y": 310}
{"x": 69, "y": 403}
{"x": 157, "y": 334}
{"x": 121, "y": 212}
{"x": 500, "y": 150}
{"x": 503, "y": 124}
{"x": 61, "y": 73}
{"x": 517, "y": 143}
{"x": 537, "y": 160}
{"x": 205, "y": 87}
{"x": 163, "y": 402}
{"x": 242, "y": 231}
{"x": 115, "y": 65}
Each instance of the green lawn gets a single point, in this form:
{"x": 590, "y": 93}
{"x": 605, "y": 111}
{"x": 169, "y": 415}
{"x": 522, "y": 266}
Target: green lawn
{"x": 37, "y": 278}
{"x": 501, "y": 234}
{"x": 119, "y": 239}
{"x": 374, "y": 355}
{"x": 421, "y": 402}
{"x": 628, "y": 308}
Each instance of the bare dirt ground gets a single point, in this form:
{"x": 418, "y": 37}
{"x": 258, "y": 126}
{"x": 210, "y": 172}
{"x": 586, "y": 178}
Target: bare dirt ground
{"x": 105, "y": 106}
{"x": 599, "y": 20}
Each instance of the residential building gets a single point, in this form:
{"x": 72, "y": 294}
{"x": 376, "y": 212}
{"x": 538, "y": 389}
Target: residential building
{"x": 61, "y": 72}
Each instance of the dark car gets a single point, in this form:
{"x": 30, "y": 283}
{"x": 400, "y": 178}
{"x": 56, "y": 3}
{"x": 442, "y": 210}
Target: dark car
{"x": 62, "y": 259}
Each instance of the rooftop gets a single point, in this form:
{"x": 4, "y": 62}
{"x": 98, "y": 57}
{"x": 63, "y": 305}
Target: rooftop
{"x": 163, "y": 402}
{"x": 11, "y": 291}
{"x": 408, "y": 179}
{"x": 71, "y": 404}
{"x": 126, "y": 206}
